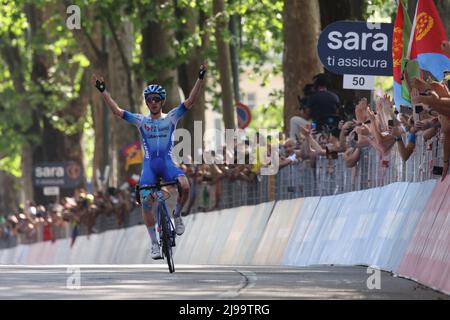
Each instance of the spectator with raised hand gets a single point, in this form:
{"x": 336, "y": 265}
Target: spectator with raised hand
{"x": 433, "y": 95}
{"x": 346, "y": 128}
{"x": 312, "y": 147}
{"x": 290, "y": 156}
{"x": 356, "y": 134}
{"x": 360, "y": 131}
{"x": 382, "y": 140}
{"x": 303, "y": 119}
{"x": 438, "y": 99}
{"x": 361, "y": 115}
{"x": 429, "y": 127}
{"x": 405, "y": 150}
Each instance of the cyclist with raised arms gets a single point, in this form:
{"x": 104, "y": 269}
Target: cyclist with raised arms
{"x": 157, "y": 132}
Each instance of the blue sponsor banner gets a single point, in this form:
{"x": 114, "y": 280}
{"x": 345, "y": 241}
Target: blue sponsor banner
{"x": 64, "y": 174}
{"x": 354, "y": 47}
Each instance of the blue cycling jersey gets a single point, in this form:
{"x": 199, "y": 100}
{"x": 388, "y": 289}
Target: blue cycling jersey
{"x": 157, "y": 140}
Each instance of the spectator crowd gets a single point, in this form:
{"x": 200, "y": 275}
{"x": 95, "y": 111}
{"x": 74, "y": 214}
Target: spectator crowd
{"x": 323, "y": 127}
{"x": 64, "y": 219}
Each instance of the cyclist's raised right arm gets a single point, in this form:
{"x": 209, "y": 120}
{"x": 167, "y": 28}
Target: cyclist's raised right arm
{"x": 113, "y": 106}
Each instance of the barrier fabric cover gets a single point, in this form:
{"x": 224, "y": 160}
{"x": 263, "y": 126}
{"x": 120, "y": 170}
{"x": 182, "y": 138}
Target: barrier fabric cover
{"x": 403, "y": 228}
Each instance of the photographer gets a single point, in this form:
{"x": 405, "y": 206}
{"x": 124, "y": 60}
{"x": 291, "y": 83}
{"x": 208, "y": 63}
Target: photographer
{"x": 324, "y": 104}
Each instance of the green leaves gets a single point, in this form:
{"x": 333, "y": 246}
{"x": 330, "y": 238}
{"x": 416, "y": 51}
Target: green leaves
{"x": 50, "y": 47}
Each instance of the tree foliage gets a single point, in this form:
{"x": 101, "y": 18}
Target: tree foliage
{"x": 259, "y": 40}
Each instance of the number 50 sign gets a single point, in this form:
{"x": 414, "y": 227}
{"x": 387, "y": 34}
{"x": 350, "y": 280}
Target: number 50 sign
{"x": 355, "y": 82}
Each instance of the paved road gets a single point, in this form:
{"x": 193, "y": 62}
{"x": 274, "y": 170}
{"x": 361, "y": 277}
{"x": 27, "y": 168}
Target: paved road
{"x": 203, "y": 282}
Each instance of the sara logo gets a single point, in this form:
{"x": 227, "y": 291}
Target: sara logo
{"x": 424, "y": 23}
{"x": 73, "y": 171}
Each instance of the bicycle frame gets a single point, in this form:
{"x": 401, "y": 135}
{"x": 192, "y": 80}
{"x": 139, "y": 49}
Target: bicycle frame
{"x": 161, "y": 211}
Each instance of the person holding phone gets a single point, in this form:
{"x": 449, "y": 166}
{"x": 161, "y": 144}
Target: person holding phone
{"x": 439, "y": 101}
{"x": 438, "y": 97}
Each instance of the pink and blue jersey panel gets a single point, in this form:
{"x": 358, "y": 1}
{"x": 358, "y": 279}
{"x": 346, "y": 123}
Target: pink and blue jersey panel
{"x": 157, "y": 141}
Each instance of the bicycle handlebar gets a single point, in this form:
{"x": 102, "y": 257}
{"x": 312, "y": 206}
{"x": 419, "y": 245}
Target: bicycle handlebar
{"x": 158, "y": 185}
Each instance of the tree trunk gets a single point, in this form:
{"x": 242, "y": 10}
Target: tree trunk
{"x": 27, "y": 171}
{"x": 100, "y": 161}
{"x": 158, "y": 55}
{"x": 188, "y": 73}
{"x": 331, "y": 11}
{"x": 224, "y": 64}
{"x": 8, "y": 193}
{"x": 53, "y": 145}
{"x": 234, "y": 52}
{"x": 99, "y": 109}
{"x": 301, "y": 30}
{"x": 121, "y": 133}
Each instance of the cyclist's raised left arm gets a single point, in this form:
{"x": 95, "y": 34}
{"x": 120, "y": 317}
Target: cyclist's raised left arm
{"x": 113, "y": 106}
{"x": 189, "y": 102}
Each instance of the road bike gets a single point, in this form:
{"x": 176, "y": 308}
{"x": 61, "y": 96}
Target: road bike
{"x": 166, "y": 229}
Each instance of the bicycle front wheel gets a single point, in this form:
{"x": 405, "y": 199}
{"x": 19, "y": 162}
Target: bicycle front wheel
{"x": 166, "y": 244}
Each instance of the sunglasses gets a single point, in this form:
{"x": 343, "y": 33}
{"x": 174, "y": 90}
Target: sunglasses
{"x": 155, "y": 99}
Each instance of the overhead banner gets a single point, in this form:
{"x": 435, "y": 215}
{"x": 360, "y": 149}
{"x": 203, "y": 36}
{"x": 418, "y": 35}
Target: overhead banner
{"x": 359, "y": 48}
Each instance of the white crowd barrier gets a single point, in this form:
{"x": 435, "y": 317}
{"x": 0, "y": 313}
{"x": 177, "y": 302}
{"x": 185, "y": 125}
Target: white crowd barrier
{"x": 276, "y": 235}
{"x": 403, "y": 228}
{"x": 427, "y": 259}
{"x": 246, "y": 234}
{"x": 403, "y": 225}
{"x": 299, "y": 239}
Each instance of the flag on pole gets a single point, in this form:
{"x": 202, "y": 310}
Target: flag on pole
{"x": 402, "y": 34}
{"x": 426, "y": 38}
{"x": 133, "y": 154}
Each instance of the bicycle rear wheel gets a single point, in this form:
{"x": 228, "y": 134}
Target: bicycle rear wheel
{"x": 166, "y": 244}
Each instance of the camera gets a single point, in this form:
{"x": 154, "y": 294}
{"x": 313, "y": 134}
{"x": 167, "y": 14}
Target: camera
{"x": 418, "y": 109}
{"x": 390, "y": 123}
{"x": 438, "y": 171}
{"x": 405, "y": 110}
